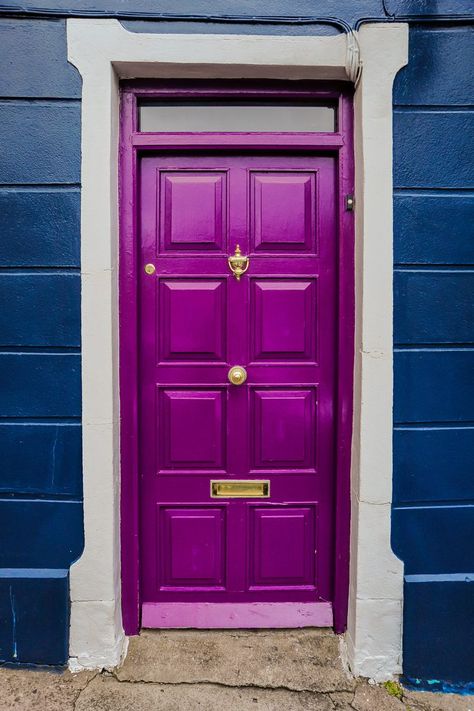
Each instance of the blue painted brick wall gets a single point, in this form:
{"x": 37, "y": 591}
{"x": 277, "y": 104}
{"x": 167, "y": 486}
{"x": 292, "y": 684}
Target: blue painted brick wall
{"x": 433, "y": 515}
{"x": 40, "y": 434}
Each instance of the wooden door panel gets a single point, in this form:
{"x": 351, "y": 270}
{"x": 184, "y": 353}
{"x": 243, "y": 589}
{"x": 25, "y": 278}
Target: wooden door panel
{"x": 192, "y": 210}
{"x": 283, "y": 428}
{"x": 282, "y": 318}
{"x": 191, "y": 429}
{"x": 192, "y": 317}
{"x": 291, "y": 531}
{"x": 193, "y": 547}
{"x": 283, "y": 208}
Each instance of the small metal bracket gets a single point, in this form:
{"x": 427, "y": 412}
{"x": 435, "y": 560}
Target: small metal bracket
{"x": 350, "y": 203}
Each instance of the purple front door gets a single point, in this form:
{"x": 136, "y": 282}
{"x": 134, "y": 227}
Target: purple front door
{"x": 278, "y": 322}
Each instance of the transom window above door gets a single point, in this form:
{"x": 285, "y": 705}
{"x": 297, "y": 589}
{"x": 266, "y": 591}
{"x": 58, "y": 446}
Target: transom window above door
{"x": 237, "y": 115}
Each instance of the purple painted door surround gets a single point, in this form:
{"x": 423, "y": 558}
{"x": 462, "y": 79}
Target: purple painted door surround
{"x": 186, "y": 201}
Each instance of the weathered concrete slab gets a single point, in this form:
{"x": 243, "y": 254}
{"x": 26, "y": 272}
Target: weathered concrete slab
{"x": 31, "y": 690}
{"x": 342, "y": 700}
{"x": 370, "y": 697}
{"x": 424, "y": 701}
{"x": 108, "y": 694}
{"x": 302, "y": 660}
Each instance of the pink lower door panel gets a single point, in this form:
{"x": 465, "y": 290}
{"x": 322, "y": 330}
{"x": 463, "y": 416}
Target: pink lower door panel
{"x": 231, "y": 562}
{"x": 236, "y": 615}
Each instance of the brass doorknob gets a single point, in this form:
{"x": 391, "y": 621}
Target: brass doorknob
{"x": 237, "y": 375}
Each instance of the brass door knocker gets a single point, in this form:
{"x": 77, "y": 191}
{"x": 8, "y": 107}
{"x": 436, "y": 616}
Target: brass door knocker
{"x": 238, "y": 263}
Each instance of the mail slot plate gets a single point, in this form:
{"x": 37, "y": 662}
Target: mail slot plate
{"x": 240, "y": 489}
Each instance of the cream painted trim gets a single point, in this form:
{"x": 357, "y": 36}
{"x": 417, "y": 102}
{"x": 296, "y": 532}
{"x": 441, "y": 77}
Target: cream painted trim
{"x": 103, "y": 51}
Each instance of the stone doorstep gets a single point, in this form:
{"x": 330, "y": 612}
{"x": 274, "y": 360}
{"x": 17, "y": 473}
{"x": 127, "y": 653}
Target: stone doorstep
{"x": 299, "y": 660}
{"x": 106, "y": 694}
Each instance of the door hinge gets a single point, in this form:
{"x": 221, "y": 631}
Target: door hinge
{"x": 350, "y": 203}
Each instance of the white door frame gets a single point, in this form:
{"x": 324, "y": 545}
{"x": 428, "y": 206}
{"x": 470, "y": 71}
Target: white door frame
{"x": 104, "y": 52}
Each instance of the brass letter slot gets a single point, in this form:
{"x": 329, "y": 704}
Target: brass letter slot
{"x": 240, "y": 489}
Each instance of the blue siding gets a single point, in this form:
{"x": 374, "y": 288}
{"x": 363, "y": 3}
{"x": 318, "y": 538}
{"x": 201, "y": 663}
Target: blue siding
{"x": 433, "y": 515}
{"x": 40, "y": 227}
{"x": 49, "y": 75}
{"x": 433, "y": 228}
{"x": 433, "y": 464}
{"x": 431, "y": 537}
{"x": 40, "y": 385}
{"x": 34, "y": 616}
{"x": 349, "y": 10}
{"x": 433, "y": 148}
{"x": 40, "y": 435}
{"x": 39, "y": 142}
{"x": 42, "y": 458}
{"x": 434, "y": 306}
{"x": 434, "y": 385}
{"x": 439, "y": 619}
{"x": 428, "y": 79}
{"x": 41, "y": 309}
{"x": 412, "y": 9}
{"x": 36, "y": 533}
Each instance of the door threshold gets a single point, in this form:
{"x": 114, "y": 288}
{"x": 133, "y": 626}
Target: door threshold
{"x": 229, "y": 615}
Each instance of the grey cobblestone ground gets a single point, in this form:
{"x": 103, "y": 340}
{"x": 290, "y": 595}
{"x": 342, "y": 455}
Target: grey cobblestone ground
{"x": 218, "y": 671}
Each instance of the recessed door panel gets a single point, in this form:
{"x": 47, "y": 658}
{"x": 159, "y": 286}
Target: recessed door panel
{"x": 283, "y": 211}
{"x": 284, "y": 319}
{"x": 290, "y": 531}
{"x": 193, "y": 547}
{"x": 191, "y": 428}
{"x": 192, "y": 319}
{"x": 283, "y": 432}
{"x": 198, "y": 424}
{"x": 192, "y": 210}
